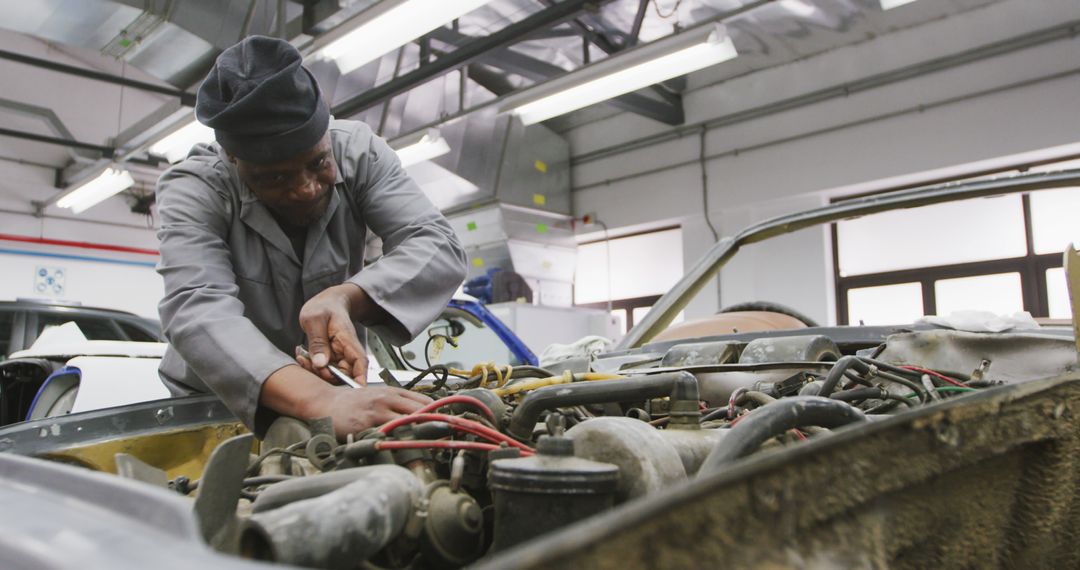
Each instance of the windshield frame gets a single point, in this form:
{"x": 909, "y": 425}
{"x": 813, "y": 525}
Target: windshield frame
{"x": 708, "y": 266}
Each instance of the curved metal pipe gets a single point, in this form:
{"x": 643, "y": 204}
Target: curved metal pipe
{"x": 678, "y": 385}
{"x": 774, "y": 419}
{"x": 339, "y": 529}
{"x": 303, "y": 488}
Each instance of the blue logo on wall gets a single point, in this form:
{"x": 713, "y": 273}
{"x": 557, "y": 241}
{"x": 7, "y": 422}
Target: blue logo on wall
{"x": 49, "y": 280}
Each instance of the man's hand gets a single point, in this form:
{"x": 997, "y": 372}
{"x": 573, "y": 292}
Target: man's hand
{"x": 293, "y": 391}
{"x": 327, "y": 321}
{"x": 354, "y": 410}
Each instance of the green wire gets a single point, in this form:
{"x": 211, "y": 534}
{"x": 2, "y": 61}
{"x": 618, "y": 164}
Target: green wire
{"x": 946, "y": 389}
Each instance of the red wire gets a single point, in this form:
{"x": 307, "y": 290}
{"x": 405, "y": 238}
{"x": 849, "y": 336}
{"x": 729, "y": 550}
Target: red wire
{"x": 468, "y": 400}
{"x": 937, "y": 375}
{"x": 799, "y": 434}
{"x": 441, "y": 444}
{"x": 460, "y": 424}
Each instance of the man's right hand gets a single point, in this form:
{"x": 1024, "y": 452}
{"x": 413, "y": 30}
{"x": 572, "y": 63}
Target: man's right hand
{"x": 356, "y": 409}
{"x": 293, "y": 391}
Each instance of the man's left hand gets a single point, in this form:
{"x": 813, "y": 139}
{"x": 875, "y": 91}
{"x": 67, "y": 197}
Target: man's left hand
{"x": 327, "y": 321}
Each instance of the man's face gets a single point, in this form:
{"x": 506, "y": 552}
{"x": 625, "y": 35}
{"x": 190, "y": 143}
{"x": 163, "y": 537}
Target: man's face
{"x": 296, "y": 190}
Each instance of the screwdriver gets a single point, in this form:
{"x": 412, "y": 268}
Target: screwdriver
{"x": 301, "y": 351}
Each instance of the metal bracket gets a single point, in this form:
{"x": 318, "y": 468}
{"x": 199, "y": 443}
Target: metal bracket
{"x": 131, "y": 467}
{"x": 219, "y": 492}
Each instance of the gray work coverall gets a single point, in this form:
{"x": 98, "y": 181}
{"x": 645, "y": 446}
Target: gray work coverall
{"x": 234, "y": 285}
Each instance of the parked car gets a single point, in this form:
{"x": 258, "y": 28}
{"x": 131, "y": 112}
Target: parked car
{"x": 23, "y": 320}
{"x": 781, "y": 446}
{"x": 56, "y": 378}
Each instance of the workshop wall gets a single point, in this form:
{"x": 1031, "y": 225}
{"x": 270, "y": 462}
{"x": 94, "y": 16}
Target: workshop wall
{"x": 52, "y": 259}
{"x": 948, "y": 122}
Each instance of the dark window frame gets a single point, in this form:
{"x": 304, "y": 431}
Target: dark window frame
{"x": 1032, "y": 267}
{"x": 625, "y": 305}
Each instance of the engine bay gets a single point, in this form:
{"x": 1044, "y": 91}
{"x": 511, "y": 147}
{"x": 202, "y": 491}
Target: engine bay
{"x": 505, "y": 455}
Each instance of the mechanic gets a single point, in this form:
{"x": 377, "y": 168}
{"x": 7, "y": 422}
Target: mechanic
{"x": 262, "y": 244}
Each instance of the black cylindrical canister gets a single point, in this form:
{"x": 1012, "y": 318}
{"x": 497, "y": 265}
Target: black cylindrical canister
{"x": 536, "y": 495}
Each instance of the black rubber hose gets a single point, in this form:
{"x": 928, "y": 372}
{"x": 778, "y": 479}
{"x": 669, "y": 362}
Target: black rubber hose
{"x": 837, "y": 372}
{"x": 774, "y": 419}
{"x": 857, "y": 394}
{"x": 840, "y": 370}
{"x": 892, "y": 401}
{"x": 913, "y": 386}
{"x": 678, "y": 385}
{"x": 720, "y": 413}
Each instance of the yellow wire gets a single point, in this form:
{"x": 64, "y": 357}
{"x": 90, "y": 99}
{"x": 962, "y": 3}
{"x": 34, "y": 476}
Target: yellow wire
{"x": 566, "y": 378}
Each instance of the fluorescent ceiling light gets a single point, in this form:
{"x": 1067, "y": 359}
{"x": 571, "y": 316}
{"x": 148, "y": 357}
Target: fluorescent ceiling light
{"x": 390, "y": 24}
{"x": 419, "y": 148}
{"x": 175, "y": 147}
{"x": 109, "y": 183}
{"x": 658, "y": 61}
{"x": 890, "y": 4}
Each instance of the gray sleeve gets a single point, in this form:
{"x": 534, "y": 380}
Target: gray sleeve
{"x": 201, "y": 316}
{"x": 423, "y": 262}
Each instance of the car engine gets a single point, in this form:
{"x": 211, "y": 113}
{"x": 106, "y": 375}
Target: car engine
{"x": 505, "y": 455}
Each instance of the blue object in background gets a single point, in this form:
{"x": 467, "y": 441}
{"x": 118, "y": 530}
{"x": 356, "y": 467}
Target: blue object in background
{"x": 511, "y": 340}
{"x": 481, "y": 287}
{"x": 63, "y": 371}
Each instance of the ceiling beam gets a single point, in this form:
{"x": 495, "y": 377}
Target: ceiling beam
{"x": 538, "y": 70}
{"x": 639, "y": 19}
{"x": 465, "y": 54}
{"x": 186, "y": 99}
{"x": 600, "y": 40}
{"x": 105, "y": 151}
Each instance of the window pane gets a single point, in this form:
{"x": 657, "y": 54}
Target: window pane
{"x": 1000, "y": 294}
{"x": 1063, "y": 165}
{"x": 642, "y": 265}
{"x": 942, "y": 234}
{"x": 1057, "y": 294}
{"x": 640, "y": 312}
{"x": 885, "y": 305}
{"x": 92, "y": 328}
{"x": 620, "y": 317}
{"x": 136, "y": 334}
{"x": 1053, "y": 219}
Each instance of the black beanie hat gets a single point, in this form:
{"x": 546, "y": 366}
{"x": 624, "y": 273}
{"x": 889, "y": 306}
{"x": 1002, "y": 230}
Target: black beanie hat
{"x": 263, "y": 105}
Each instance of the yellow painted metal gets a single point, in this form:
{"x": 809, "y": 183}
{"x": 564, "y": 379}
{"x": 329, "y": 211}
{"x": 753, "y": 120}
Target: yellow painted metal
{"x": 1072, "y": 275}
{"x": 177, "y": 452}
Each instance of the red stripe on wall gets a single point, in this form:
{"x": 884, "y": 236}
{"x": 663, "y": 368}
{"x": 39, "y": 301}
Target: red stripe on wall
{"x": 79, "y": 244}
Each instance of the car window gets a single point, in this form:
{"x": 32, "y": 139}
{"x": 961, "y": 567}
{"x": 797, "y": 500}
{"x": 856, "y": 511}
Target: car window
{"x": 93, "y": 328}
{"x": 7, "y": 324}
{"x": 135, "y": 333}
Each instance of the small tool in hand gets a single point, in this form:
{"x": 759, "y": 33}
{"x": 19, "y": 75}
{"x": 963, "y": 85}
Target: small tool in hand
{"x": 301, "y": 351}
